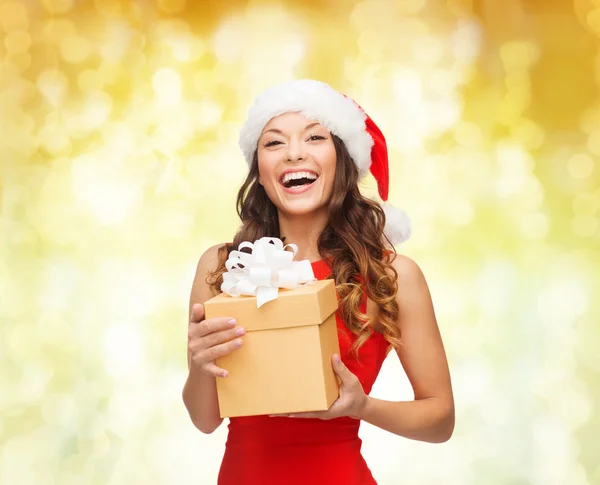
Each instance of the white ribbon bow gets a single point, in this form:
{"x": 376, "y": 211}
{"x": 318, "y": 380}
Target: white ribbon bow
{"x": 268, "y": 268}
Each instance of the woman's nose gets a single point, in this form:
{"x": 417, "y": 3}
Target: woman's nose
{"x": 296, "y": 150}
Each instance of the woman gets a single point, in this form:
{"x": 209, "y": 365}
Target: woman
{"x": 307, "y": 147}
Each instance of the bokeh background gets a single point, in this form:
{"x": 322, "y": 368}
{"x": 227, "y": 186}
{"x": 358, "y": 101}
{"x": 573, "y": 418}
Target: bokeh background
{"x": 120, "y": 166}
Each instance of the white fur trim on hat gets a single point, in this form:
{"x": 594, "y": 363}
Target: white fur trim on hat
{"x": 315, "y": 100}
{"x": 398, "y": 227}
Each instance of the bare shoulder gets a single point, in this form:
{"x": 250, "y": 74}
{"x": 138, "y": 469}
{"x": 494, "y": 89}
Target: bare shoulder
{"x": 406, "y": 268}
{"x": 210, "y": 258}
{"x": 207, "y": 263}
{"x": 414, "y": 296}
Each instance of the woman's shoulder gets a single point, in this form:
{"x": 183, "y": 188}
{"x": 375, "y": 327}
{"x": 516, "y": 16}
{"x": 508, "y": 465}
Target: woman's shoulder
{"x": 210, "y": 259}
{"x": 210, "y": 255}
{"x": 404, "y": 265}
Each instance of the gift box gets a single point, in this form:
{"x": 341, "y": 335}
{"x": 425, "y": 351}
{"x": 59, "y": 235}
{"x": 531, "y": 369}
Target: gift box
{"x": 284, "y": 364}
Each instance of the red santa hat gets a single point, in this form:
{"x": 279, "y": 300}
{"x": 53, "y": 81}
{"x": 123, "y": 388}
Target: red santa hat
{"x": 344, "y": 118}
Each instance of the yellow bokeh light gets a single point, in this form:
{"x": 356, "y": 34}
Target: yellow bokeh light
{"x": 585, "y": 204}
{"x": 57, "y": 29}
{"x": 13, "y": 16}
{"x": 171, "y": 6}
{"x": 580, "y": 165}
{"x": 75, "y": 49}
{"x": 167, "y": 86}
{"x": 17, "y": 41}
{"x": 57, "y": 6}
{"x": 584, "y": 225}
{"x": 593, "y": 19}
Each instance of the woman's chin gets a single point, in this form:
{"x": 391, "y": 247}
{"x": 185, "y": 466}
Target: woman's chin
{"x": 299, "y": 208}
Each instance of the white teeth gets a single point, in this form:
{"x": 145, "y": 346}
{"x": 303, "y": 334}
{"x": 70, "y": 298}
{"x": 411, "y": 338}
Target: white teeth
{"x": 297, "y": 175}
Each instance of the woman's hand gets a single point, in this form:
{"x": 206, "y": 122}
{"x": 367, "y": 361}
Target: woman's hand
{"x": 351, "y": 401}
{"x": 211, "y": 338}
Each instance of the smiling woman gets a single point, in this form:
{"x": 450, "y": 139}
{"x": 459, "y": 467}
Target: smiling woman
{"x": 296, "y": 156}
{"x": 307, "y": 147}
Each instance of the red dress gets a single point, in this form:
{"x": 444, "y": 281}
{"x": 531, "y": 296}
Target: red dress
{"x": 261, "y": 450}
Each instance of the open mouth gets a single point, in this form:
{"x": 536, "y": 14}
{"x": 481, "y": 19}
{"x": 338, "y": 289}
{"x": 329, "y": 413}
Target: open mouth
{"x": 298, "y": 179}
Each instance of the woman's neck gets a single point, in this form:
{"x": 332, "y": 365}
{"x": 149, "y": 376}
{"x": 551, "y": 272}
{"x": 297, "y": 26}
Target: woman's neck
{"x": 304, "y": 232}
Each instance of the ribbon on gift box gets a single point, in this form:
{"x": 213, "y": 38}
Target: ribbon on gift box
{"x": 266, "y": 269}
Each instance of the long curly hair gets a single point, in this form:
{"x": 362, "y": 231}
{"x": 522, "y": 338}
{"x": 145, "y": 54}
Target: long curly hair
{"x": 353, "y": 243}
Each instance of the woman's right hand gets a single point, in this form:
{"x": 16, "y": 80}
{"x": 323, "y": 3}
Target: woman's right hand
{"x": 211, "y": 338}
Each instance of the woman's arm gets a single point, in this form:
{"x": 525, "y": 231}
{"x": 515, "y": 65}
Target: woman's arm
{"x": 430, "y": 417}
{"x": 200, "y": 389}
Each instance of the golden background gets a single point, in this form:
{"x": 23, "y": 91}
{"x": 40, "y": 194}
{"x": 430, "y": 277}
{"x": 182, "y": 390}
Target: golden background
{"x": 120, "y": 165}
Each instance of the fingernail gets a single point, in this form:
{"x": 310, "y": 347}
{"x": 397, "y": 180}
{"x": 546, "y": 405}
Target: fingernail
{"x": 224, "y": 373}
{"x": 336, "y": 358}
{"x": 238, "y": 342}
{"x": 231, "y": 322}
{"x": 240, "y": 331}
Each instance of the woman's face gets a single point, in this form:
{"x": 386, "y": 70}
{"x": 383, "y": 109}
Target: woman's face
{"x": 296, "y": 163}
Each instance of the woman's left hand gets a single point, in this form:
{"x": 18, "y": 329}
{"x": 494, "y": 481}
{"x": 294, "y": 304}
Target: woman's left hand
{"x": 351, "y": 401}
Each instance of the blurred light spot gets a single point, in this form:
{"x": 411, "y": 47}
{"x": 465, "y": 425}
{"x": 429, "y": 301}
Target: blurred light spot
{"x": 118, "y": 38}
{"x": 250, "y": 38}
{"x": 35, "y": 377}
{"x": 519, "y": 54}
{"x": 186, "y": 48}
{"x": 468, "y": 134}
{"x": 371, "y": 43}
{"x": 459, "y": 211}
{"x": 96, "y": 110}
{"x": 428, "y": 50}
{"x": 450, "y": 298}
{"x": 58, "y": 6}
{"x": 560, "y": 302}
{"x": 207, "y": 114}
{"x": 90, "y": 80}
{"x": 17, "y": 41}
{"x": 56, "y": 29}
{"x": 405, "y": 7}
{"x": 20, "y": 61}
{"x": 53, "y": 85}
{"x": 580, "y": 165}
{"x": 58, "y": 409}
{"x": 585, "y": 204}
{"x": 123, "y": 353}
{"x": 75, "y": 49}
{"x": 534, "y": 226}
{"x": 171, "y": 6}
{"x": 594, "y": 142}
{"x": 60, "y": 280}
{"x": 584, "y": 225}
{"x": 227, "y": 42}
{"x": 167, "y": 86}
{"x": 466, "y": 41}
{"x": 528, "y": 133}
{"x": 407, "y": 87}
{"x": 13, "y": 15}
{"x": 110, "y": 198}
{"x": 17, "y": 461}
{"x": 54, "y": 142}
{"x": 473, "y": 381}
{"x": 593, "y": 19}
{"x": 515, "y": 167}
{"x": 496, "y": 287}
{"x": 509, "y": 112}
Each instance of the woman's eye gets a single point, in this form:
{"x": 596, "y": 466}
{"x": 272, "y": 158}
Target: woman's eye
{"x": 272, "y": 142}
{"x": 316, "y": 137}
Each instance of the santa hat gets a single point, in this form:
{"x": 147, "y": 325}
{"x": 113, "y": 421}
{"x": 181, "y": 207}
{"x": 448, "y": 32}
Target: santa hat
{"x": 342, "y": 117}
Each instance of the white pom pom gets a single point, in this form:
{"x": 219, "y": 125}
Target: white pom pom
{"x": 397, "y": 224}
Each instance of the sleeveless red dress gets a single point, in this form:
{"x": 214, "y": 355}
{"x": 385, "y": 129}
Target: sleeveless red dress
{"x": 261, "y": 450}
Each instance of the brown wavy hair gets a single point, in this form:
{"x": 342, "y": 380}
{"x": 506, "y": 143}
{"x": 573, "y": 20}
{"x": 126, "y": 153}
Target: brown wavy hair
{"x": 352, "y": 242}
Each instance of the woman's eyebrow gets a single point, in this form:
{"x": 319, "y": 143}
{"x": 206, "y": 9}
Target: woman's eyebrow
{"x": 275, "y": 130}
